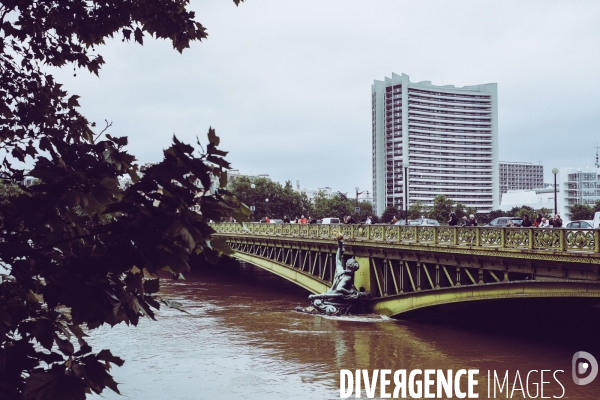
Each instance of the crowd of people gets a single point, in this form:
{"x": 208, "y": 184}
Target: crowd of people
{"x": 542, "y": 222}
{"x": 298, "y": 220}
{"x": 348, "y": 219}
{"x": 470, "y": 221}
{"x": 539, "y": 222}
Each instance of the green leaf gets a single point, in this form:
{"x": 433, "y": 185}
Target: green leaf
{"x": 106, "y": 355}
{"x": 64, "y": 345}
{"x": 212, "y": 137}
{"x": 151, "y": 286}
{"x": 139, "y": 36}
{"x": 53, "y": 385}
{"x": 72, "y": 102}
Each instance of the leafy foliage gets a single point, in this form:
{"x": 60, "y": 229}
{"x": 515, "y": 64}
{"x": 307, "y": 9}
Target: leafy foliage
{"x": 418, "y": 210}
{"x": 389, "y": 213}
{"x": 285, "y": 201}
{"x": 336, "y": 206}
{"x": 282, "y": 200}
{"x": 581, "y": 211}
{"x": 366, "y": 209}
{"x": 442, "y": 207}
{"x": 8, "y": 189}
{"x": 77, "y": 248}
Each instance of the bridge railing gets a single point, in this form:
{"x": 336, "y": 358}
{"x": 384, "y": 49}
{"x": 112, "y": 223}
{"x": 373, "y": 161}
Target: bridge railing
{"x": 552, "y": 239}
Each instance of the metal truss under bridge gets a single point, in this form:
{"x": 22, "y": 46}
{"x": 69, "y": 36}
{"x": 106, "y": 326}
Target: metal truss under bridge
{"x": 407, "y": 268}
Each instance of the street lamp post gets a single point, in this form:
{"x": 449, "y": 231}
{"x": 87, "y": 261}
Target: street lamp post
{"x": 356, "y": 203}
{"x": 252, "y": 207}
{"x": 267, "y": 202}
{"x": 405, "y": 165}
{"x": 555, "y": 172}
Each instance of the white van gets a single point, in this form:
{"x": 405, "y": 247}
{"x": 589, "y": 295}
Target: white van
{"x": 330, "y": 221}
{"x": 596, "y": 223}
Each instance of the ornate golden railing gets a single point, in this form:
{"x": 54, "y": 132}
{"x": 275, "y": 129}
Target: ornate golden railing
{"x": 552, "y": 239}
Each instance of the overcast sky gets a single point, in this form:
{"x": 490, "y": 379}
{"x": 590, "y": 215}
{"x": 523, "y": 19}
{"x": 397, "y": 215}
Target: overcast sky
{"x": 287, "y": 83}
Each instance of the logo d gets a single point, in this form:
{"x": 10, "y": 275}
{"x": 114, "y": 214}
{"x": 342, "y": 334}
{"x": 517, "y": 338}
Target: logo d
{"x": 582, "y": 367}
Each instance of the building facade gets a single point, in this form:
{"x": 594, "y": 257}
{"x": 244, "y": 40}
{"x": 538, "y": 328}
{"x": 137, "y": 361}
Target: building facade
{"x": 235, "y": 174}
{"x": 327, "y": 192}
{"x": 578, "y": 186}
{"x": 448, "y": 136}
{"x": 574, "y": 186}
{"x": 520, "y": 176}
{"x": 535, "y": 198}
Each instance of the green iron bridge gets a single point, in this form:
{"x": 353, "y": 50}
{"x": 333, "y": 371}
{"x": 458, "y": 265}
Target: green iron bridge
{"x": 407, "y": 268}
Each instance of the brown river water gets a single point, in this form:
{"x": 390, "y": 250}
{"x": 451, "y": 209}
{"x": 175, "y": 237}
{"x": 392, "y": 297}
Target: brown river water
{"x": 243, "y": 339}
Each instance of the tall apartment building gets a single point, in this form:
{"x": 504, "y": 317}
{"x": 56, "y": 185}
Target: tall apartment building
{"x": 447, "y": 135}
{"x": 520, "y": 175}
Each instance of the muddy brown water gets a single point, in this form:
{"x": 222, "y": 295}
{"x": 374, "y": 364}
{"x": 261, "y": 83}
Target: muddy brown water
{"x": 242, "y": 339}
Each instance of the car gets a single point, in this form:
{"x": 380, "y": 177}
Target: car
{"x": 506, "y": 221}
{"x": 400, "y": 222}
{"x": 330, "y": 221}
{"x": 276, "y": 221}
{"x": 423, "y": 222}
{"x": 585, "y": 224}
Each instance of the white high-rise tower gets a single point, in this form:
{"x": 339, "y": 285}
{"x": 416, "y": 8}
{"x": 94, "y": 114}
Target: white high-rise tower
{"x": 448, "y": 136}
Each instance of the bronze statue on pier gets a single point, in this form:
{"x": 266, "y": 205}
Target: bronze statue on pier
{"x": 342, "y": 296}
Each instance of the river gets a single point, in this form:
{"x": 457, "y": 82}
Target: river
{"x": 242, "y": 339}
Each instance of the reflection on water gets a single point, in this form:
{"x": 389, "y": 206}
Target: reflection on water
{"x": 242, "y": 339}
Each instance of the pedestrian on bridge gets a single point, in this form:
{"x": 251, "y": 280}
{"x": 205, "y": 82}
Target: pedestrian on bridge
{"x": 466, "y": 221}
{"x": 526, "y": 221}
{"x": 453, "y": 221}
{"x": 472, "y": 220}
{"x": 557, "y": 221}
{"x": 286, "y": 220}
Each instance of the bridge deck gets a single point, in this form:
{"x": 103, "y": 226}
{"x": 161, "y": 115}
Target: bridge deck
{"x": 583, "y": 242}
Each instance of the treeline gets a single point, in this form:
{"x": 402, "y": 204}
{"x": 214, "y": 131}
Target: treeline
{"x": 275, "y": 200}
{"x": 443, "y": 206}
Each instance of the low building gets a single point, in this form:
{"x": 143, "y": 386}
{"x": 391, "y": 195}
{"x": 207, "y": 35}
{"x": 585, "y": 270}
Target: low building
{"x": 234, "y": 174}
{"x": 312, "y": 193}
{"x": 520, "y": 176}
{"x": 535, "y": 198}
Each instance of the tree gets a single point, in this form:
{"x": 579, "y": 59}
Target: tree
{"x": 546, "y": 212}
{"x": 366, "y": 209}
{"x": 596, "y": 207}
{"x": 283, "y": 200}
{"x": 80, "y": 250}
{"x": 336, "y": 206}
{"x": 389, "y": 213}
{"x": 523, "y": 210}
{"x": 441, "y": 209}
{"x": 417, "y": 210}
{"x": 581, "y": 211}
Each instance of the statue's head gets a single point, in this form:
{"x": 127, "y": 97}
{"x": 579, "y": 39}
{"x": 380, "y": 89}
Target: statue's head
{"x": 352, "y": 265}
